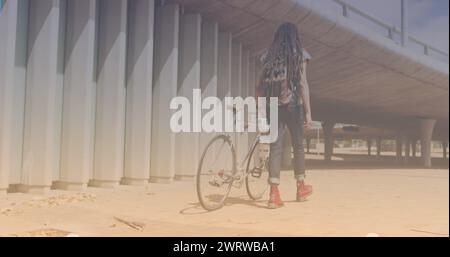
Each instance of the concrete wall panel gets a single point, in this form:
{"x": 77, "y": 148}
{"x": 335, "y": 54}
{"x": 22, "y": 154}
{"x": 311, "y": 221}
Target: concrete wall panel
{"x": 110, "y": 106}
{"x": 139, "y": 91}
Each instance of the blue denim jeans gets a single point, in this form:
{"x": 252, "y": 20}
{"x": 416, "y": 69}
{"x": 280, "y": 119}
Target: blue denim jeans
{"x": 292, "y": 117}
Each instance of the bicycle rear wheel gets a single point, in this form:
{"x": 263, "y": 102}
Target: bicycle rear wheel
{"x": 257, "y": 172}
{"x": 215, "y": 174}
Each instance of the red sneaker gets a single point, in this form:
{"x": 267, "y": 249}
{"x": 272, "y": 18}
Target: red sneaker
{"x": 275, "y": 199}
{"x": 303, "y": 191}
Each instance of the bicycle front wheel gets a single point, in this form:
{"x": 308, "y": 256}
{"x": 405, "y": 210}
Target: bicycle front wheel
{"x": 215, "y": 174}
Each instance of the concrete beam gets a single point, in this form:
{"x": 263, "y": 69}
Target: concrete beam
{"x": 426, "y": 127}
{"x": 78, "y": 124}
{"x": 42, "y": 128}
{"x": 139, "y": 92}
{"x": 111, "y": 94}
{"x": 187, "y": 144}
{"x": 13, "y": 28}
{"x": 165, "y": 80}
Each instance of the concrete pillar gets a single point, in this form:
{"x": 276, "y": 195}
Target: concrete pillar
{"x": 369, "y": 147}
{"x": 328, "y": 127}
{"x": 444, "y": 149}
{"x": 165, "y": 82}
{"x": 77, "y": 141}
{"x": 414, "y": 147}
{"x": 42, "y": 126}
{"x": 209, "y": 57}
{"x": 139, "y": 92}
{"x": 379, "y": 141}
{"x": 111, "y": 94}
{"x": 208, "y": 69}
{"x": 224, "y": 65}
{"x": 399, "y": 149}
{"x": 187, "y": 144}
{"x": 236, "y": 69}
{"x": 224, "y": 75}
{"x": 251, "y": 92}
{"x": 426, "y": 127}
{"x": 308, "y": 145}
{"x": 244, "y": 137}
{"x": 407, "y": 145}
{"x": 13, "y": 31}
{"x": 235, "y": 91}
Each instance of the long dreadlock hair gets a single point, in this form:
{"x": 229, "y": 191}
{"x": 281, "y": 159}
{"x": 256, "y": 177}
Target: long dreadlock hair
{"x": 285, "y": 56}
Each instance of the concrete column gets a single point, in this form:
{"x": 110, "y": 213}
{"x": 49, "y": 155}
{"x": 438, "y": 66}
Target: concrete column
{"x": 208, "y": 69}
{"x": 369, "y": 147}
{"x": 235, "y": 91}
{"x": 399, "y": 149}
{"x": 444, "y": 149}
{"x": 139, "y": 92}
{"x": 426, "y": 127}
{"x": 165, "y": 82}
{"x": 308, "y": 145}
{"x": 244, "y": 137}
{"x": 187, "y": 144}
{"x": 407, "y": 145}
{"x": 328, "y": 127}
{"x": 111, "y": 94}
{"x": 252, "y": 76}
{"x": 13, "y": 31}
{"x": 209, "y": 57}
{"x": 42, "y": 127}
{"x": 236, "y": 69}
{"x": 251, "y": 91}
{"x": 414, "y": 147}
{"x": 224, "y": 65}
{"x": 77, "y": 142}
{"x": 378, "y": 142}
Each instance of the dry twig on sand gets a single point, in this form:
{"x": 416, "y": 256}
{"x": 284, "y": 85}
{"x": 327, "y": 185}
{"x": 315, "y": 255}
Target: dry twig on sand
{"x": 135, "y": 225}
{"x": 429, "y": 232}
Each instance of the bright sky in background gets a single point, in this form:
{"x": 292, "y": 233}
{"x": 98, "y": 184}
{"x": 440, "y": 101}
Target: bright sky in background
{"x": 428, "y": 19}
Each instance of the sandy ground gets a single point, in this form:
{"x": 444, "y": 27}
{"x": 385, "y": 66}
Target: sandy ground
{"x": 346, "y": 202}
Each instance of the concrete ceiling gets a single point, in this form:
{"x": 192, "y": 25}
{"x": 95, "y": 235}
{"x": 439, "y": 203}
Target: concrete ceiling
{"x": 355, "y": 76}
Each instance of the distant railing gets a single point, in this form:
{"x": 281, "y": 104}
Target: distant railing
{"x": 391, "y": 29}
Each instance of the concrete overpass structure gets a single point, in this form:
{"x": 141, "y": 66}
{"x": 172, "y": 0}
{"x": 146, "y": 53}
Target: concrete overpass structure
{"x": 85, "y": 85}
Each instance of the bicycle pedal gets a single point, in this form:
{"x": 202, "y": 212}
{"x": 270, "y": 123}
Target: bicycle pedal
{"x": 215, "y": 184}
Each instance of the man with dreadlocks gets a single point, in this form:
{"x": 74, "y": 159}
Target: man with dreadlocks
{"x": 284, "y": 76}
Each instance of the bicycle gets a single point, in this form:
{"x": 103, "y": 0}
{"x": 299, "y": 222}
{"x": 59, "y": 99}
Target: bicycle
{"x": 229, "y": 173}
